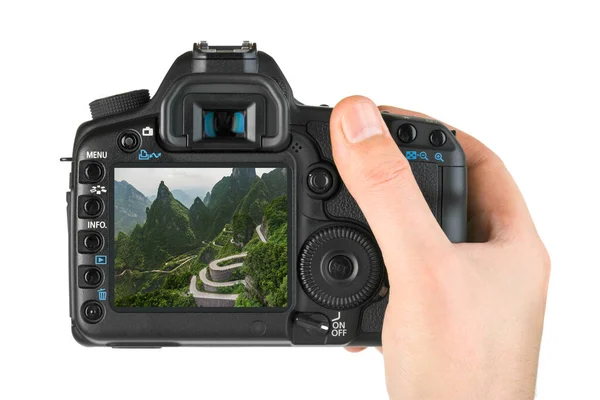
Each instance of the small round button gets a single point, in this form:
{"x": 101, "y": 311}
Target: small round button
{"x": 92, "y": 277}
{"x": 92, "y": 207}
{"x": 340, "y": 267}
{"x": 93, "y": 172}
{"x": 407, "y": 133}
{"x": 258, "y": 328}
{"x": 320, "y": 180}
{"x": 92, "y": 312}
{"x": 129, "y": 141}
{"x": 437, "y": 138}
{"x": 92, "y": 242}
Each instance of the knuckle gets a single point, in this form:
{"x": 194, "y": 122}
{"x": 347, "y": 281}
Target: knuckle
{"x": 486, "y": 157}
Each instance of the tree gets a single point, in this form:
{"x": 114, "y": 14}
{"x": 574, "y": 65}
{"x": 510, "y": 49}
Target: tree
{"x": 243, "y": 228}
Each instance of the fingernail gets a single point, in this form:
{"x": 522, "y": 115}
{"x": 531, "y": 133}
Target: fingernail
{"x": 361, "y": 121}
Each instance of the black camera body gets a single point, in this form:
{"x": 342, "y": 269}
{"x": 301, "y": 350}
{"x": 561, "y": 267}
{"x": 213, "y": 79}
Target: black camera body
{"x": 213, "y": 213}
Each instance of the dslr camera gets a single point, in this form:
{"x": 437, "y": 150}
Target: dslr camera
{"x": 213, "y": 213}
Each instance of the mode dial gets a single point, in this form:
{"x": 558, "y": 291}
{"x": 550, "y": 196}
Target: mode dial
{"x": 119, "y": 103}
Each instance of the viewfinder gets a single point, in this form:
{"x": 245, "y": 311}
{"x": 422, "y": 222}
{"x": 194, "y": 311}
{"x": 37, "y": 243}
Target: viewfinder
{"x": 224, "y": 124}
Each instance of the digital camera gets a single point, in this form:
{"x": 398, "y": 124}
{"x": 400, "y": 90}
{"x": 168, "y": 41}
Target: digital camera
{"x": 213, "y": 213}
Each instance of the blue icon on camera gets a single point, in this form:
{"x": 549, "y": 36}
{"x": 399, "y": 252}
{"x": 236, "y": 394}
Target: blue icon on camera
{"x": 423, "y": 156}
{"x": 101, "y": 260}
{"x": 411, "y": 155}
{"x": 439, "y": 157}
{"x": 144, "y": 155}
{"x": 101, "y": 294}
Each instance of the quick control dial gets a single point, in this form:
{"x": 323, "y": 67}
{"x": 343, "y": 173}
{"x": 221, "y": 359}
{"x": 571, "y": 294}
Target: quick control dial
{"x": 340, "y": 267}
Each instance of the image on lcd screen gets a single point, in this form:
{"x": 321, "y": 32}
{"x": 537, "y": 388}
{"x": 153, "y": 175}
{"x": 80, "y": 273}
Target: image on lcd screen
{"x": 200, "y": 237}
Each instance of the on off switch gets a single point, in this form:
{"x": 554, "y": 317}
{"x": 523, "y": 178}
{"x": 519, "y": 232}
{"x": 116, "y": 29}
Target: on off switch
{"x": 317, "y": 323}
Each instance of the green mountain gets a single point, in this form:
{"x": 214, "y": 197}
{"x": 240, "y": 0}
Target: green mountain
{"x": 267, "y": 263}
{"x": 276, "y": 182}
{"x": 255, "y": 201}
{"x": 200, "y": 219}
{"x": 130, "y": 207}
{"x": 206, "y": 199}
{"x": 226, "y": 195}
{"x": 167, "y": 231}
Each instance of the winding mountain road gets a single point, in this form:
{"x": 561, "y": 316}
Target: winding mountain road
{"x": 158, "y": 271}
{"x": 212, "y": 286}
{"x": 260, "y": 234}
{"x": 206, "y": 299}
{"x": 219, "y": 278}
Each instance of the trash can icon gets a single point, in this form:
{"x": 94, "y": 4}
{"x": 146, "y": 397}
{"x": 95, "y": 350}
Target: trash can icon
{"x": 102, "y": 294}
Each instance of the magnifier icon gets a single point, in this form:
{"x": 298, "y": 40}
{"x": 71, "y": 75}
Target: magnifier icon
{"x": 438, "y": 156}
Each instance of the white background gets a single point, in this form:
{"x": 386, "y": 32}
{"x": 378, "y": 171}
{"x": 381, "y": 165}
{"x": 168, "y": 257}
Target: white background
{"x": 521, "y": 76}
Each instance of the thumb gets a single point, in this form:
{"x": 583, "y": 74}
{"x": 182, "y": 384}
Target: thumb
{"x": 381, "y": 181}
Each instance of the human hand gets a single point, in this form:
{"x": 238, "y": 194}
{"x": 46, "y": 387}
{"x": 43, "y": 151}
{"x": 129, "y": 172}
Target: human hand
{"x": 464, "y": 321}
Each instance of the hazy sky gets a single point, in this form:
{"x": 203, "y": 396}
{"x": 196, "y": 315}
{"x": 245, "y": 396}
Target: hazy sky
{"x": 194, "y": 181}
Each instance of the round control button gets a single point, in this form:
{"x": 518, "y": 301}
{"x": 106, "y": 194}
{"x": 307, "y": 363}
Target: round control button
{"x": 92, "y": 277}
{"x": 407, "y": 133}
{"x": 258, "y": 328}
{"x": 437, "y": 138}
{"x": 92, "y": 207}
{"x": 93, "y": 171}
{"x": 92, "y": 242}
{"x": 340, "y": 267}
{"x": 92, "y": 311}
{"x": 320, "y": 180}
{"x": 129, "y": 141}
